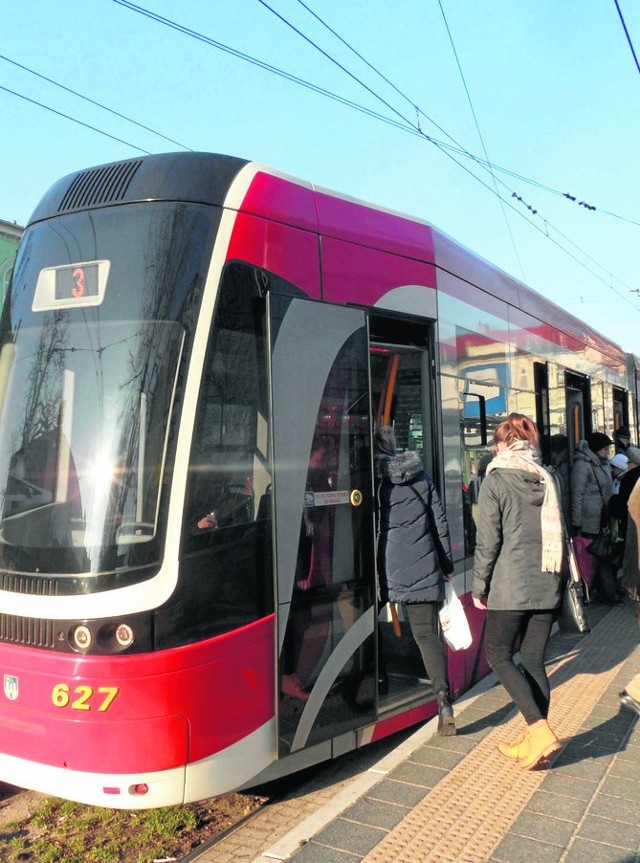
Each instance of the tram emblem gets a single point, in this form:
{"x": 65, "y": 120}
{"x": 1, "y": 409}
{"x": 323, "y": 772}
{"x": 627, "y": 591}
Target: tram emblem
{"x": 11, "y": 687}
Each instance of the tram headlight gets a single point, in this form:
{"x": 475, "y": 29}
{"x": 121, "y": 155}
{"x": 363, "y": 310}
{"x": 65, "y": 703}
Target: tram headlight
{"x": 81, "y": 637}
{"x": 124, "y": 635}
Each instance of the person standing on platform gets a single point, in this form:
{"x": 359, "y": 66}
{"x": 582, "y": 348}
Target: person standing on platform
{"x": 622, "y": 440}
{"x": 516, "y": 577}
{"x": 630, "y": 582}
{"x": 591, "y": 490}
{"x": 414, "y": 556}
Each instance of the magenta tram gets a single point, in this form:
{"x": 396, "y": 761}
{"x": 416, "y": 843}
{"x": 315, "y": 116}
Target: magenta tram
{"x": 194, "y": 353}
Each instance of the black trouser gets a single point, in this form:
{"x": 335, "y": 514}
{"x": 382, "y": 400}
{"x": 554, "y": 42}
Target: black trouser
{"x": 529, "y": 688}
{"x": 423, "y": 618}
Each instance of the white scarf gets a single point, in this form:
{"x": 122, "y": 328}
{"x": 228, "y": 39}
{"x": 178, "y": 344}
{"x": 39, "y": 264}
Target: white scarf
{"x": 521, "y": 455}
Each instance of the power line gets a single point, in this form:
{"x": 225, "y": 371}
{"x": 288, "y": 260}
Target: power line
{"x": 479, "y": 162}
{"x": 74, "y": 120}
{"x": 626, "y": 33}
{"x": 484, "y": 149}
{"x": 92, "y": 101}
{"x": 407, "y": 125}
{"x": 457, "y": 147}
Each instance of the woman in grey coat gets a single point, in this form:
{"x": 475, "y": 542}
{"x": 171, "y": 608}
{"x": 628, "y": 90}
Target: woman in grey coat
{"x": 516, "y": 576}
{"x": 591, "y": 489}
{"x": 414, "y": 556}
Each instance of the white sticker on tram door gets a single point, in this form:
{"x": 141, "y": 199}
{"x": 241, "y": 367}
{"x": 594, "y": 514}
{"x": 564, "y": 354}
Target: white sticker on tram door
{"x": 331, "y": 498}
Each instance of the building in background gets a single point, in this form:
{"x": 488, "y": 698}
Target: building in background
{"x": 10, "y": 236}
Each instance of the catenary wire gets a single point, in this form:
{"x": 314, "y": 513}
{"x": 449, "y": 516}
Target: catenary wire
{"x": 408, "y": 127}
{"x": 457, "y": 147}
{"x": 75, "y": 120}
{"x": 488, "y": 164}
{"x": 626, "y": 33}
{"x": 480, "y": 136}
{"x": 92, "y": 101}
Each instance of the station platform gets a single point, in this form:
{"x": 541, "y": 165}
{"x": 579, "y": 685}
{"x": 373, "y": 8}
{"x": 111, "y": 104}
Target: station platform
{"x": 456, "y": 799}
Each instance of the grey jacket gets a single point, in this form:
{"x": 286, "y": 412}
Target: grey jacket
{"x": 507, "y": 568}
{"x": 591, "y": 488}
{"x": 414, "y": 549}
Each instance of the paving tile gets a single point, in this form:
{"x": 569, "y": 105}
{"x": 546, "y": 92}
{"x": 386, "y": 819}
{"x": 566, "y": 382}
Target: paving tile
{"x": 624, "y": 768}
{"x": 347, "y": 836}
{"x": 516, "y": 849}
{"x": 616, "y": 833}
{"x": 543, "y": 828}
{"x": 570, "y": 786}
{"x": 314, "y": 853}
{"x": 610, "y": 718}
{"x": 460, "y": 742}
{"x": 557, "y": 805}
{"x": 583, "y": 768}
{"x": 584, "y": 851}
{"x": 376, "y": 813}
{"x": 480, "y": 716}
{"x": 625, "y": 788}
{"x": 436, "y": 757}
{"x": 418, "y": 774}
{"x": 396, "y": 792}
{"x": 616, "y": 809}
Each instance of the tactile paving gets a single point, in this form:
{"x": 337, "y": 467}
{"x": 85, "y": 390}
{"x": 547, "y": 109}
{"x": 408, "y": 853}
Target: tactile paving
{"x": 468, "y": 812}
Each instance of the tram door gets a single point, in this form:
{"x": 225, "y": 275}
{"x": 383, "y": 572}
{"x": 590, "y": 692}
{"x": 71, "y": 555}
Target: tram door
{"x": 578, "y": 408}
{"x": 322, "y": 501}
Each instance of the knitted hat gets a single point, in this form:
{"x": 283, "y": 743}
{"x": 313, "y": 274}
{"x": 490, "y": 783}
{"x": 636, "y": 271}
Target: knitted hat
{"x": 623, "y": 431}
{"x": 598, "y": 441}
{"x": 619, "y": 461}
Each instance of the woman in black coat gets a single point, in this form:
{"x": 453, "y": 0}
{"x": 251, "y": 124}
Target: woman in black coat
{"x": 516, "y": 576}
{"x": 414, "y": 556}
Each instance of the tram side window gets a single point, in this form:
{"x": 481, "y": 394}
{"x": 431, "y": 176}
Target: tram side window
{"x": 228, "y": 468}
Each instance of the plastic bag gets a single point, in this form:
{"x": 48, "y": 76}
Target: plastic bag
{"x": 453, "y": 621}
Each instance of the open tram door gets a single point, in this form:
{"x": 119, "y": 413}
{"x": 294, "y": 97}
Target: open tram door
{"x": 322, "y": 499}
{"x": 578, "y": 397}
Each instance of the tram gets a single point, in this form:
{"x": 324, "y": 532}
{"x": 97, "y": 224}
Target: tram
{"x": 195, "y": 351}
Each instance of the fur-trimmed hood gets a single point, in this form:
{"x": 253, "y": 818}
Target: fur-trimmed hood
{"x": 399, "y": 469}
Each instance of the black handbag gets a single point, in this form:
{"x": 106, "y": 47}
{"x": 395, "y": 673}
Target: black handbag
{"x": 573, "y": 618}
{"x": 606, "y": 548}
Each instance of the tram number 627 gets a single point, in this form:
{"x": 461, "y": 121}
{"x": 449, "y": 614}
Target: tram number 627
{"x": 83, "y": 697}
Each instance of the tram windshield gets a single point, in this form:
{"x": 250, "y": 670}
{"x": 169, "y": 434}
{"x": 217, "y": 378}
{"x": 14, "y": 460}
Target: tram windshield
{"x": 92, "y": 337}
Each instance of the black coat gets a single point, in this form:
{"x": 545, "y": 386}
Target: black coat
{"x": 413, "y": 536}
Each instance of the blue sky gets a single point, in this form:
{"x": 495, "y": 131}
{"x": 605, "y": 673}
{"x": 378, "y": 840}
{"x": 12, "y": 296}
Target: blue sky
{"x": 552, "y": 84}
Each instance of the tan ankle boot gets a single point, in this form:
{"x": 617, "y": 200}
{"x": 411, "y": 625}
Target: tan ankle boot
{"x": 542, "y": 744}
{"x": 518, "y": 749}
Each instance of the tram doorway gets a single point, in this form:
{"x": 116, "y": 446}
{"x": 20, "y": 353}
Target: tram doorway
{"x": 402, "y": 393}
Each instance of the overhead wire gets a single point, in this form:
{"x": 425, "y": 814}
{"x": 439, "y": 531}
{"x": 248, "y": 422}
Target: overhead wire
{"x": 403, "y": 123}
{"x": 408, "y": 126}
{"x": 481, "y": 137}
{"x": 455, "y": 146}
{"x": 488, "y": 164}
{"x": 92, "y": 101}
{"x": 626, "y": 33}
{"x": 75, "y": 120}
